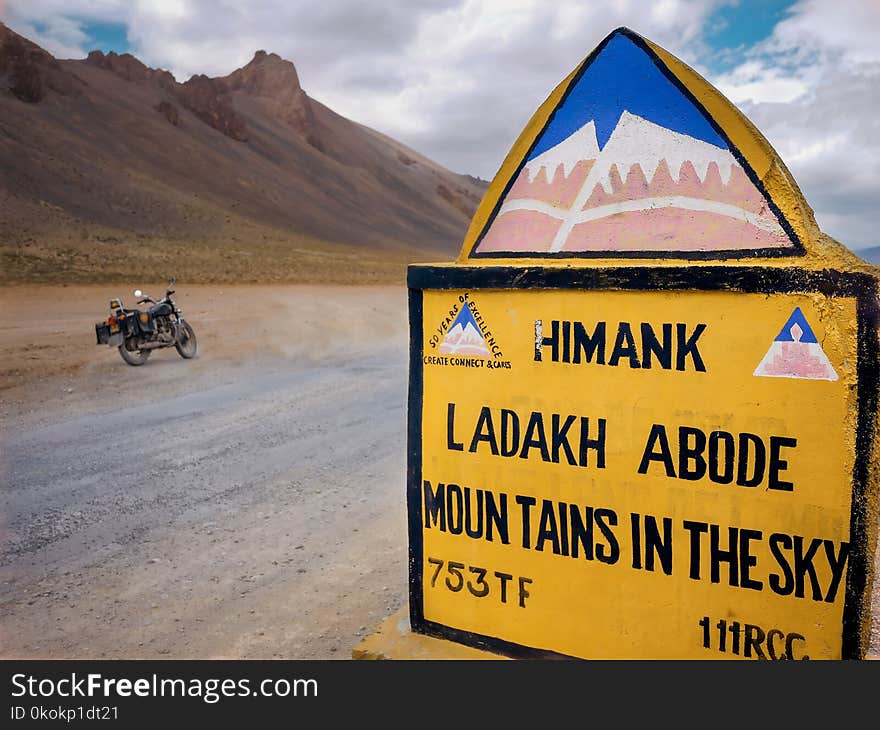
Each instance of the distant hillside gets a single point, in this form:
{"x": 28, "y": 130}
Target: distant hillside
{"x": 114, "y": 170}
{"x": 871, "y": 255}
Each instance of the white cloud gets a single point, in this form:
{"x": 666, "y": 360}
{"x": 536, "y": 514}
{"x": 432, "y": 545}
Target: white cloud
{"x": 830, "y": 27}
{"x": 60, "y": 36}
{"x": 473, "y": 74}
{"x": 811, "y": 88}
{"x": 458, "y": 79}
{"x": 761, "y": 81}
{"x": 57, "y": 25}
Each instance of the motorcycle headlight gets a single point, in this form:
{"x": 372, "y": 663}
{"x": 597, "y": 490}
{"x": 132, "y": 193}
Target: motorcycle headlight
{"x": 115, "y": 304}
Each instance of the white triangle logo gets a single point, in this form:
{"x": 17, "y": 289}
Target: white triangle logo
{"x": 796, "y": 353}
{"x": 464, "y": 338}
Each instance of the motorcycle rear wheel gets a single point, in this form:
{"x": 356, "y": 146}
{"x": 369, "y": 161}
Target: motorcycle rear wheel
{"x": 186, "y": 340}
{"x": 134, "y": 357}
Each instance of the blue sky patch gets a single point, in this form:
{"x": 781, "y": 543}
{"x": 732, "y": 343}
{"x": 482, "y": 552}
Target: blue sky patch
{"x": 107, "y": 37}
{"x": 746, "y": 23}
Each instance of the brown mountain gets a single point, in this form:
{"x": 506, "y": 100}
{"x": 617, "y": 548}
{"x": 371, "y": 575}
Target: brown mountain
{"x": 114, "y": 170}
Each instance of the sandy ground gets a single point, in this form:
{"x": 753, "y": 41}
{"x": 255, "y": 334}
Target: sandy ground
{"x": 248, "y": 503}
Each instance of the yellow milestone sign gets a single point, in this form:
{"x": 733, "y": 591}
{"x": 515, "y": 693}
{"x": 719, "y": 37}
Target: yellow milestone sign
{"x": 627, "y": 474}
{"x": 643, "y": 400}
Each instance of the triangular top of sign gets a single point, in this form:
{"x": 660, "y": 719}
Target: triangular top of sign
{"x": 634, "y": 155}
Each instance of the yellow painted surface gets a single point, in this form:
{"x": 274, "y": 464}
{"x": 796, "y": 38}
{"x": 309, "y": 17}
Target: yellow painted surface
{"x": 394, "y": 640}
{"x": 593, "y": 609}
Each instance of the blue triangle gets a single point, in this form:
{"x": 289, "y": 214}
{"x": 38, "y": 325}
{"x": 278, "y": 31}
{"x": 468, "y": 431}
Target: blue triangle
{"x": 624, "y": 77}
{"x": 464, "y": 317}
{"x": 797, "y": 317}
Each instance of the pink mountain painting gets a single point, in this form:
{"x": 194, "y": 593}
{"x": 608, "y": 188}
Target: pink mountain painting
{"x": 628, "y": 163}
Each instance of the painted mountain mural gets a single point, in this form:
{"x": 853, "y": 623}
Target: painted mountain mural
{"x": 628, "y": 162}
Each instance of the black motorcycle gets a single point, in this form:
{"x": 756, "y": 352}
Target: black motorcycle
{"x": 138, "y": 332}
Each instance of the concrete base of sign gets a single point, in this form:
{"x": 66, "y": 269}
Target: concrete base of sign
{"x": 393, "y": 639}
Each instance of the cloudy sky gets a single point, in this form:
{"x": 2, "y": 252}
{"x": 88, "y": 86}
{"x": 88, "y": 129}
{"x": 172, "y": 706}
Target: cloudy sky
{"x": 457, "y": 80}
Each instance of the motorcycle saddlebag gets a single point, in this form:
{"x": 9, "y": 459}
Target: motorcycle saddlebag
{"x": 105, "y": 336}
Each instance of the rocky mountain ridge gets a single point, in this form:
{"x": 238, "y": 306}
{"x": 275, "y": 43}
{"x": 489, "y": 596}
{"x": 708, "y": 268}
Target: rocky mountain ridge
{"x": 106, "y": 148}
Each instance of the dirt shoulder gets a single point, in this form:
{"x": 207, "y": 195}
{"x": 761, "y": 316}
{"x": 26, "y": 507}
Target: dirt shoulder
{"x": 247, "y": 503}
{"x": 49, "y": 359}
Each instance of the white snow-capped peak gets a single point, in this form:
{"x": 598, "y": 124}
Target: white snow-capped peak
{"x": 637, "y": 140}
{"x": 634, "y": 140}
{"x": 467, "y": 334}
{"x": 581, "y": 145}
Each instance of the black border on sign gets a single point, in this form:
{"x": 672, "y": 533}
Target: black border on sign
{"x": 752, "y": 280}
{"x": 797, "y": 248}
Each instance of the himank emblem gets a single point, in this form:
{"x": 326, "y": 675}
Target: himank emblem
{"x": 796, "y": 353}
{"x": 463, "y": 338}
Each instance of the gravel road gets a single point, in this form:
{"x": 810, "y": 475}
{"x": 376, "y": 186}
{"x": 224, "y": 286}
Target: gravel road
{"x": 248, "y": 506}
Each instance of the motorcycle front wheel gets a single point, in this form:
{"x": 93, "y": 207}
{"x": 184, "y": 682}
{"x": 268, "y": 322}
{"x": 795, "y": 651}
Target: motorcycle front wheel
{"x": 186, "y": 340}
{"x": 134, "y": 357}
